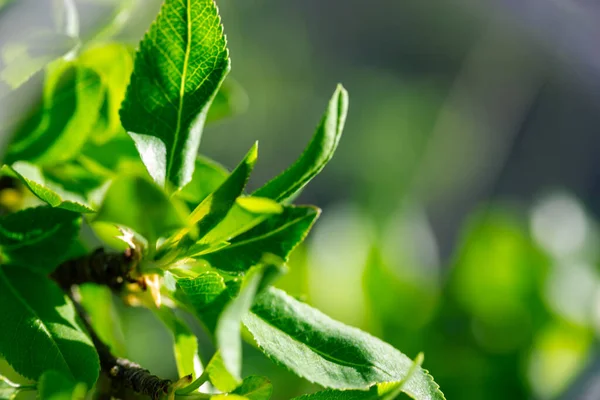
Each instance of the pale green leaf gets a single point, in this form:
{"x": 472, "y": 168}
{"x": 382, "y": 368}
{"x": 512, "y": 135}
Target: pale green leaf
{"x": 178, "y": 69}
{"x": 231, "y": 99}
{"x": 318, "y": 152}
{"x": 47, "y": 190}
{"x": 327, "y": 352}
{"x": 228, "y": 330}
{"x": 208, "y": 176}
{"x": 278, "y": 235}
{"x": 60, "y": 128}
{"x": 220, "y": 376}
{"x": 255, "y": 388}
{"x": 40, "y": 329}
{"x": 38, "y": 238}
{"x": 54, "y": 385}
{"x": 140, "y": 205}
{"x": 185, "y": 343}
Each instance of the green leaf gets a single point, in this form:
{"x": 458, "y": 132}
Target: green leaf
{"x": 204, "y": 295}
{"x": 327, "y": 352}
{"x": 58, "y": 131}
{"x": 231, "y": 99}
{"x": 22, "y": 59}
{"x": 178, "y": 69}
{"x": 142, "y": 206}
{"x": 114, "y": 63}
{"x": 318, "y": 152}
{"x": 215, "y": 207}
{"x": 208, "y": 176}
{"x": 54, "y": 385}
{"x": 48, "y": 191}
{"x": 381, "y": 391}
{"x": 246, "y": 213}
{"x": 220, "y": 376}
{"x": 255, "y": 388}
{"x": 38, "y": 238}
{"x": 228, "y": 331}
{"x": 40, "y": 330}
{"x": 278, "y": 235}
{"x": 185, "y": 343}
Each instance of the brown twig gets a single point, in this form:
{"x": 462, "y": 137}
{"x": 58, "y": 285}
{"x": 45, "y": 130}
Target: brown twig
{"x": 112, "y": 270}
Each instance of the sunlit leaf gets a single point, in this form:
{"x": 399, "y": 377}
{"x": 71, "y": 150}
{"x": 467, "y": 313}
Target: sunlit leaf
{"x": 231, "y": 99}
{"x": 40, "y": 329}
{"x": 38, "y": 238}
{"x": 54, "y": 385}
{"x": 328, "y": 352}
{"x": 208, "y": 176}
{"x": 178, "y": 69}
{"x": 255, "y": 388}
{"x": 318, "y": 152}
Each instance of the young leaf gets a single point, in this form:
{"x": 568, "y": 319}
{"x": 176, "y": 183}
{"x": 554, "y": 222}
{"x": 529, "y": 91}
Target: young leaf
{"x": 40, "y": 330}
{"x": 318, "y": 152}
{"x": 328, "y": 352}
{"x": 185, "y": 343}
{"x": 208, "y": 176}
{"x": 141, "y": 206}
{"x": 178, "y": 69}
{"x": 48, "y": 191}
{"x": 216, "y": 206}
{"x": 278, "y": 235}
{"x": 231, "y": 99}
{"x": 38, "y": 238}
{"x": 246, "y": 213}
{"x": 220, "y": 376}
{"x": 255, "y": 388}
{"x": 73, "y": 96}
{"x": 228, "y": 331}
{"x": 54, "y": 385}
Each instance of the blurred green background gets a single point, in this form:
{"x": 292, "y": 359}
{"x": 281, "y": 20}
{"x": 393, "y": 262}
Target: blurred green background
{"x": 459, "y": 213}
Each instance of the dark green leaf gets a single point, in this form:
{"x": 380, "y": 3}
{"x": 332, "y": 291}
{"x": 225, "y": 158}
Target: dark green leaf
{"x": 40, "y": 330}
{"x": 47, "y": 190}
{"x": 327, "y": 352}
{"x": 178, "y": 69}
{"x": 228, "y": 331}
{"x": 255, "y": 388}
{"x": 142, "y": 206}
{"x": 73, "y": 95}
{"x": 278, "y": 235}
{"x": 54, "y": 385}
{"x": 318, "y": 152}
{"x": 38, "y": 238}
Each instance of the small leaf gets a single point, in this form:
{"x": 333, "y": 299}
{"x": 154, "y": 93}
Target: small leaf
{"x": 208, "y": 176}
{"x": 278, "y": 235}
{"x": 178, "y": 69}
{"x": 38, "y": 238}
{"x": 48, "y": 191}
{"x": 246, "y": 213}
{"x": 318, "y": 152}
{"x": 216, "y": 206}
{"x": 255, "y": 388}
{"x": 54, "y": 385}
{"x": 142, "y": 206}
{"x": 220, "y": 376}
{"x": 58, "y": 131}
{"x": 327, "y": 352}
{"x": 40, "y": 330}
{"x": 228, "y": 331}
{"x": 185, "y": 343}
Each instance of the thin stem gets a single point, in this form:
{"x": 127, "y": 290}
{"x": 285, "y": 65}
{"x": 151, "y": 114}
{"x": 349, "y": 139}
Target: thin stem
{"x": 201, "y": 380}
